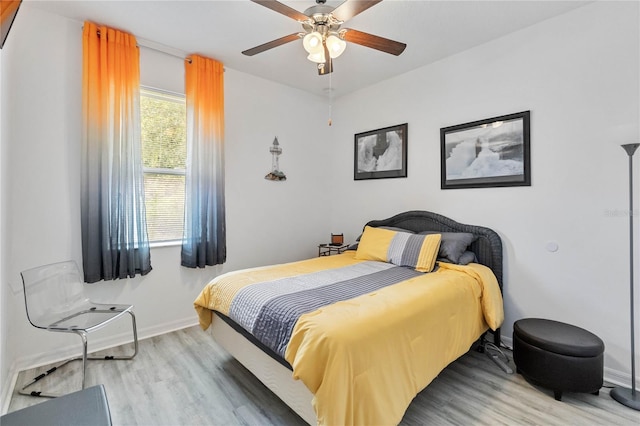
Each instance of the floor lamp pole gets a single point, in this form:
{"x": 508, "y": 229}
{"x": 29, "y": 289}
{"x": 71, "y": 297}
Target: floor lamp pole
{"x": 630, "y": 397}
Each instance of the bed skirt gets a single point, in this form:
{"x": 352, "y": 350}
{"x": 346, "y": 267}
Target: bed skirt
{"x": 271, "y": 373}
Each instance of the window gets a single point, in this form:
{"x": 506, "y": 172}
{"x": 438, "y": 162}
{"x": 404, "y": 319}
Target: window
{"x": 164, "y": 153}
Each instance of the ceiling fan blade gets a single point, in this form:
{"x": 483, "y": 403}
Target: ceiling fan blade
{"x": 373, "y": 41}
{"x": 283, "y": 9}
{"x": 350, "y": 8}
{"x": 271, "y": 44}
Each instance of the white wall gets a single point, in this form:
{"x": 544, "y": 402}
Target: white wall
{"x": 579, "y": 75}
{"x": 5, "y": 359}
{"x": 41, "y": 85}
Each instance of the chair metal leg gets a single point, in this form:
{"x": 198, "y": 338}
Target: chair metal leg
{"x": 135, "y": 334}
{"x": 83, "y": 358}
{"x": 135, "y": 345}
{"x": 83, "y": 336}
{"x": 42, "y": 376}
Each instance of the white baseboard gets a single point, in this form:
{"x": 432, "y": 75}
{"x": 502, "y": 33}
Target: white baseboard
{"x": 508, "y": 341}
{"x": 7, "y": 388}
{"x": 66, "y": 352}
{"x": 619, "y": 378}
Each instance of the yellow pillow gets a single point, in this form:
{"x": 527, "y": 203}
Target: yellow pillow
{"x": 400, "y": 248}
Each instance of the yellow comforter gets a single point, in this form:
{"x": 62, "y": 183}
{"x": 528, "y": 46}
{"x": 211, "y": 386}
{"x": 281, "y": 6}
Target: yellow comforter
{"x": 366, "y": 358}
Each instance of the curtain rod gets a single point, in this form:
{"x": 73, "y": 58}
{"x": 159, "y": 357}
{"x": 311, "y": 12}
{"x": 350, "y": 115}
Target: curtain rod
{"x": 171, "y": 51}
{"x": 152, "y": 45}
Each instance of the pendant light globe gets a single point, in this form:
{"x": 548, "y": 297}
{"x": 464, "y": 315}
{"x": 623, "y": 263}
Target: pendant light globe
{"x": 312, "y": 42}
{"x": 318, "y": 58}
{"x": 335, "y": 45}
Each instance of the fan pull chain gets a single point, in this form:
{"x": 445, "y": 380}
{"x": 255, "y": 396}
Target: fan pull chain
{"x": 330, "y": 93}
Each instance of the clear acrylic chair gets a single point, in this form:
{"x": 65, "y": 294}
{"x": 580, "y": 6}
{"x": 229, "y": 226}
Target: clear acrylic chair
{"x": 55, "y": 301}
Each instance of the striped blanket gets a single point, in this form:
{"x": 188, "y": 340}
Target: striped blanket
{"x": 269, "y": 310}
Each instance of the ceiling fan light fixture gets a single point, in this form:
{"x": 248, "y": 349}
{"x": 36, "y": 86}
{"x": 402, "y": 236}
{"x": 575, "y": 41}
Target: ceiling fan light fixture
{"x": 323, "y": 39}
{"x": 335, "y": 45}
{"x": 312, "y": 42}
{"x": 326, "y": 68}
{"x": 318, "y": 58}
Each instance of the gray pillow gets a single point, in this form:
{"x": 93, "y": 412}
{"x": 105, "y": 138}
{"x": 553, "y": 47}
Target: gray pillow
{"x": 467, "y": 257}
{"x": 452, "y": 244}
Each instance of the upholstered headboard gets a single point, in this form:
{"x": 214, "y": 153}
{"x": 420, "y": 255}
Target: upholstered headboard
{"x": 487, "y": 247}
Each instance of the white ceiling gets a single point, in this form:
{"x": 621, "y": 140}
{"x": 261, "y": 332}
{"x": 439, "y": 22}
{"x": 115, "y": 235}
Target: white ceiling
{"x": 221, "y": 29}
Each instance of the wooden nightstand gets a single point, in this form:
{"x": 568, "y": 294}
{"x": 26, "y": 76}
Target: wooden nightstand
{"x": 329, "y": 249}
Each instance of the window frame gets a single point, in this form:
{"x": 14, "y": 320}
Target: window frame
{"x": 159, "y": 170}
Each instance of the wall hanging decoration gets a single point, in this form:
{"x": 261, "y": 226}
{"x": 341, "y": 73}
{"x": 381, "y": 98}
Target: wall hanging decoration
{"x": 381, "y": 153}
{"x": 275, "y": 173}
{"x": 486, "y": 153}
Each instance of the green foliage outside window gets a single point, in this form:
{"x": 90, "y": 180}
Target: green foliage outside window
{"x": 164, "y": 131}
{"x": 164, "y": 152}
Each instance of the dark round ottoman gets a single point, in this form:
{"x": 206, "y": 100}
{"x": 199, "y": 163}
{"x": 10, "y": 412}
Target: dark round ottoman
{"x": 558, "y": 356}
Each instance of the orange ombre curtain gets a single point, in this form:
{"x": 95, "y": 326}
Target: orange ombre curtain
{"x": 114, "y": 228}
{"x": 8, "y": 10}
{"x": 204, "y": 239}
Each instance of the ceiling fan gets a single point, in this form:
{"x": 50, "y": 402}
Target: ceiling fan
{"x": 323, "y": 38}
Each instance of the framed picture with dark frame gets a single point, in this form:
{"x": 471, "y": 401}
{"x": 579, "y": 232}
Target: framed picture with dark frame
{"x": 381, "y": 153}
{"x": 493, "y": 152}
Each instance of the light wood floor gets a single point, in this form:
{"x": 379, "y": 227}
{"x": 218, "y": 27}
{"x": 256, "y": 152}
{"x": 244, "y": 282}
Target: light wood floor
{"x": 185, "y": 378}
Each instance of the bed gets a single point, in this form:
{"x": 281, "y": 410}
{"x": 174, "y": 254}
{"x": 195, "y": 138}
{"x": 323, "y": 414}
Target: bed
{"x": 352, "y": 338}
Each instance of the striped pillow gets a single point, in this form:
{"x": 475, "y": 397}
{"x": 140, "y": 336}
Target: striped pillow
{"x": 399, "y": 248}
